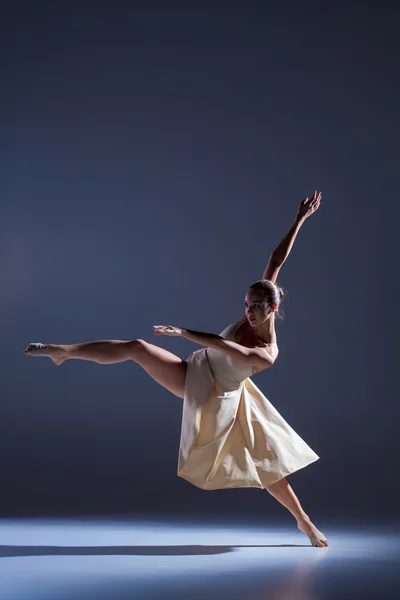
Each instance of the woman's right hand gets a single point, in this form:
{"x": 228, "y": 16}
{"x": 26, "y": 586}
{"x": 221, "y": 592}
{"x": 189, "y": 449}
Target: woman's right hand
{"x": 309, "y": 205}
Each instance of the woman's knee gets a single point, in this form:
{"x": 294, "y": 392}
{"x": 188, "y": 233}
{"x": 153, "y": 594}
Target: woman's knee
{"x": 137, "y": 348}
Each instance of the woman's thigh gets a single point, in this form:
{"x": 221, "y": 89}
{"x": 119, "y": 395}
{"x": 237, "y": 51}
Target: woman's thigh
{"x": 164, "y": 367}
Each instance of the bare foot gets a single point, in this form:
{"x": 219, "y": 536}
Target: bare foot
{"x": 316, "y": 537}
{"x": 56, "y": 353}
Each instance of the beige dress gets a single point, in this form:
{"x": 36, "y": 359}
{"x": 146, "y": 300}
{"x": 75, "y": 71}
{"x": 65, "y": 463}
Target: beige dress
{"x": 231, "y": 434}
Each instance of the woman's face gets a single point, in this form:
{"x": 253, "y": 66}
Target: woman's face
{"x": 257, "y": 310}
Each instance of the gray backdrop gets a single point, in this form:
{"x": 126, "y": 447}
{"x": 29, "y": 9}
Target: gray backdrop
{"x": 152, "y": 158}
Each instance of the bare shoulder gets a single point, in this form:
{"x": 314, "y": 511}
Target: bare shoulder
{"x": 271, "y": 351}
{"x": 245, "y": 336}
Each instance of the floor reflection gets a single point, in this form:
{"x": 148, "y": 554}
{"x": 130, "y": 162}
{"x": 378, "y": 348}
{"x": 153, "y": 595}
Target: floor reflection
{"x": 105, "y": 559}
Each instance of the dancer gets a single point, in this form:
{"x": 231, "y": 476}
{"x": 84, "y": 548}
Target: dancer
{"x": 231, "y": 434}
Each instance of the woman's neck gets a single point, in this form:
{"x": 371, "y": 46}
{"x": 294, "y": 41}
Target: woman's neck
{"x": 266, "y": 332}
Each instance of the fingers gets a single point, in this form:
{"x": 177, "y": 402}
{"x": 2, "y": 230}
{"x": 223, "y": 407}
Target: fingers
{"x": 309, "y": 205}
{"x": 316, "y": 195}
{"x": 315, "y": 199}
{"x": 162, "y": 329}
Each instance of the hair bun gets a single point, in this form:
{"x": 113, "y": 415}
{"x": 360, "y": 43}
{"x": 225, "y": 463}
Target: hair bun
{"x": 281, "y": 292}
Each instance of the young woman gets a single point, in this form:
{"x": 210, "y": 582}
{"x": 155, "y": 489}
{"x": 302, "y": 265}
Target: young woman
{"x": 231, "y": 434}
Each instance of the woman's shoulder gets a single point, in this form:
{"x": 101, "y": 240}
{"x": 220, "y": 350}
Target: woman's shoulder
{"x": 232, "y": 327}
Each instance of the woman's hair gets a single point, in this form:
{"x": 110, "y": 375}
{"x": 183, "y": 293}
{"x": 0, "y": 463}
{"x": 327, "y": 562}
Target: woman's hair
{"x": 270, "y": 292}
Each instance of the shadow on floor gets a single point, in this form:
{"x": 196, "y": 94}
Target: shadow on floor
{"x": 15, "y": 551}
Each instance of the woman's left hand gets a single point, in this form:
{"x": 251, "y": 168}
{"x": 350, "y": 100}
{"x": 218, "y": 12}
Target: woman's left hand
{"x": 167, "y": 330}
{"x": 309, "y": 205}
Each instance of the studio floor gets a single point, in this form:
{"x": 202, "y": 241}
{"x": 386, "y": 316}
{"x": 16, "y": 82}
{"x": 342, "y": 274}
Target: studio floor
{"x": 121, "y": 558}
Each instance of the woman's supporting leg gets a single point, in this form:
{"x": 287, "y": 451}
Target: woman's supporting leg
{"x": 163, "y": 366}
{"x": 283, "y": 492}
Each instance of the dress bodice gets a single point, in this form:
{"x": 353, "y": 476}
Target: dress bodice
{"x": 228, "y": 372}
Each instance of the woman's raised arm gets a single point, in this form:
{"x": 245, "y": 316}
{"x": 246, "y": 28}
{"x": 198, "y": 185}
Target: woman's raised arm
{"x": 307, "y": 207}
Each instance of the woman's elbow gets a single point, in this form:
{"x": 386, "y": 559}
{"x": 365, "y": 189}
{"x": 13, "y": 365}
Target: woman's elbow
{"x": 264, "y": 363}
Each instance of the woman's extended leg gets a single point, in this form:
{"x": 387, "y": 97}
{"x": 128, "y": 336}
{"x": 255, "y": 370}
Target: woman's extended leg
{"x": 283, "y": 492}
{"x": 163, "y": 366}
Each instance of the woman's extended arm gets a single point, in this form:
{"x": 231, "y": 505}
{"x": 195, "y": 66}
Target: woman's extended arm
{"x": 259, "y": 356}
{"x": 307, "y": 207}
